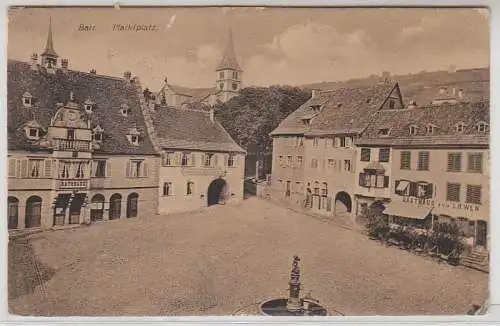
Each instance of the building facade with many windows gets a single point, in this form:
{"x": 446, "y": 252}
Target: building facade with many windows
{"x": 437, "y": 167}
{"x": 201, "y": 164}
{"x": 78, "y": 146}
{"x": 84, "y": 147}
{"x": 313, "y": 148}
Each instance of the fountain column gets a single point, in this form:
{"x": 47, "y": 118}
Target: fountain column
{"x": 294, "y": 304}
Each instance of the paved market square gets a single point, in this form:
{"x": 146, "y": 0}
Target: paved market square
{"x": 221, "y": 259}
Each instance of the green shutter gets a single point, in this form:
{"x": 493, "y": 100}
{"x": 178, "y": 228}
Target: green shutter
{"x": 24, "y": 168}
{"x": 48, "y": 168}
{"x": 129, "y": 166}
{"x": 12, "y": 167}
{"x": 107, "y": 164}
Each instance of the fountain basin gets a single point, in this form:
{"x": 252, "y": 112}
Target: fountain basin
{"x": 277, "y": 307}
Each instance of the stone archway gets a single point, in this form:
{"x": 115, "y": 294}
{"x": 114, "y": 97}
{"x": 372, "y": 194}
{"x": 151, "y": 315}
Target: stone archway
{"x": 343, "y": 202}
{"x": 115, "y": 206}
{"x": 33, "y": 212}
{"x": 216, "y": 193}
{"x": 97, "y": 208}
{"x": 132, "y": 205}
{"x": 13, "y": 213}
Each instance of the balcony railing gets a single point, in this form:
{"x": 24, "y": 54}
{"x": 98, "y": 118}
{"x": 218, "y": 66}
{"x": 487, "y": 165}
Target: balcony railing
{"x": 213, "y": 171}
{"x": 72, "y": 145}
{"x": 72, "y": 184}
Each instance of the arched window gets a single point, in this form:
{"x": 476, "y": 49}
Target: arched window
{"x": 132, "y": 205}
{"x": 33, "y": 212}
{"x": 13, "y": 213}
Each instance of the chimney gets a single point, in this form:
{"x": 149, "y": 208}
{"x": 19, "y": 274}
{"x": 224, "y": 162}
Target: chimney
{"x": 93, "y": 71}
{"x": 460, "y": 93}
{"x": 212, "y": 115}
{"x": 34, "y": 61}
{"x": 64, "y": 65}
{"x": 314, "y": 92}
{"x": 454, "y": 91}
{"x": 127, "y": 75}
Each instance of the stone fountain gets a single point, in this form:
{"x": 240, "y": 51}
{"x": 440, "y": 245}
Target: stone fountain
{"x": 294, "y": 305}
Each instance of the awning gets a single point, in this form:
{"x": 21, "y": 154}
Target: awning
{"x": 407, "y": 210}
{"x": 402, "y": 185}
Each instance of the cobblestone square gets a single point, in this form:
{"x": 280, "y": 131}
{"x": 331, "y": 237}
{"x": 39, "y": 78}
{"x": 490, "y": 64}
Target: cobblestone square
{"x": 219, "y": 260}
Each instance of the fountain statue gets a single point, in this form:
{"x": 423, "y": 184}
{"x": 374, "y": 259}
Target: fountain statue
{"x": 294, "y": 305}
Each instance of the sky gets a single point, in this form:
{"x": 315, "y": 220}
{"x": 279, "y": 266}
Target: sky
{"x": 291, "y": 46}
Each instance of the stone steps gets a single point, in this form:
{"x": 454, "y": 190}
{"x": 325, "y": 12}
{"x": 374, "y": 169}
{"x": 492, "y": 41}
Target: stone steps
{"x": 478, "y": 260}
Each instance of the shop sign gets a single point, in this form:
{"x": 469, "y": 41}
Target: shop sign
{"x": 443, "y": 204}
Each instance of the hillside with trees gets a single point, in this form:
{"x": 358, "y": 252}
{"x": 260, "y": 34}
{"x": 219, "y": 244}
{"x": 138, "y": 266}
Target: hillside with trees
{"x": 256, "y": 111}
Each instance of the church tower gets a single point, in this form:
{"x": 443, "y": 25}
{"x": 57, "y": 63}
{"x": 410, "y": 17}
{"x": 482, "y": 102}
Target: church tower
{"x": 49, "y": 55}
{"x": 229, "y": 72}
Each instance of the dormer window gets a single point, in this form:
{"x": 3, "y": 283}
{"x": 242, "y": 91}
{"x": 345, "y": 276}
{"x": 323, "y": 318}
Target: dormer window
{"x": 89, "y": 106}
{"x": 339, "y": 105}
{"x": 315, "y": 108}
{"x": 307, "y": 122}
{"x": 125, "y": 110}
{"x": 413, "y": 130}
{"x": 134, "y": 136}
{"x": 482, "y": 127}
{"x": 383, "y": 132}
{"x": 33, "y": 133}
{"x": 368, "y": 100}
{"x": 97, "y": 133}
{"x": 27, "y": 100}
{"x": 430, "y": 129}
{"x": 32, "y": 129}
{"x": 460, "y": 127}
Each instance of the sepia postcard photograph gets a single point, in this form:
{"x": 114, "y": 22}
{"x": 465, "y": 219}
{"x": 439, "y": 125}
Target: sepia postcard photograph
{"x": 248, "y": 161}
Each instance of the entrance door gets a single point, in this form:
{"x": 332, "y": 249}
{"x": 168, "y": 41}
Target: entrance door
{"x": 13, "y": 213}
{"x": 216, "y": 192}
{"x": 33, "y": 212}
{"x": 132, "y": 205}
{"x": 115, "y": 206}
{"x": 75, "y": 209}
{"x": 97, "y": 210}
{"x": 481, "y": 233}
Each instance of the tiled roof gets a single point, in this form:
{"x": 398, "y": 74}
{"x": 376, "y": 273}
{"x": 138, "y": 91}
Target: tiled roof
{"x": 108, "y": 94}
{"x": 450, "y": 140}
{"x": 445, "y": 119}
{"x": 473, "y": 91}
{"x": 191, "y": 129}
{"x": 344, "y": 110}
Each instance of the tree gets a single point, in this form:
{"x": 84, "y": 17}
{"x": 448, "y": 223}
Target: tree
{"x": 252, "y": 115}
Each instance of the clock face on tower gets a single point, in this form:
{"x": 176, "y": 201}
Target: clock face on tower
{"x": 72, "y": 115}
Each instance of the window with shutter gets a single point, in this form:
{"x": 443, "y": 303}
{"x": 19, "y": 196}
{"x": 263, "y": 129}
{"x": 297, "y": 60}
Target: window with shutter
{"x": 423, "y": 161}
{"x": 48, "y": 168}
{"x": 454, "y": 162}
{"x": 145, "y": 170}
{"x": 129, "y": 168}
{"x": 215, "y": 163}
{"x": 453, "y": 192}
{"x": 12, "y": 167}
{"x": 473, "y": 195}
{"x": 383, "y": 154}
{"x": 362, "y": 179}
{"x": 365, "y": 155}
{"x": 405, "y": 163}
{"x": 337, "y": 142}
{"x": 430, "y": 190}
{"x": 193, "y": 159}
{"x": 107, "y": 164}
{"x": 475, "y": 163}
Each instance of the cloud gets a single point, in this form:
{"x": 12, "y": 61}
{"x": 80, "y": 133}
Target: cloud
{"x": 171, "y": 22}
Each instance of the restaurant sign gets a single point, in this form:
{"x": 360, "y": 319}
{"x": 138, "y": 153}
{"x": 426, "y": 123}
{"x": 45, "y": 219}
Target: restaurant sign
{"x": 443, "y": 204}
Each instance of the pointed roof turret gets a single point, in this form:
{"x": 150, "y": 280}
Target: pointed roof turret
{"x": 229, "y": 58}
{"x": 49, "y": 47}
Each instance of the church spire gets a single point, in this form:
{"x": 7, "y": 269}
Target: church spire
{"x": 49, "y": 51}
{"x": 229, "y": 58}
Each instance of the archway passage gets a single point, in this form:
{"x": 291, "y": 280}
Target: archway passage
{"x": 13, "y": 213}
{"x": 33, "y": 212}
{"x": 115, "y": 206}
{"x": 132, "y": 205}
{"x": 97, "y": 210}
{"x": 343, "y": 202}
{"x": 216, "y": 192}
